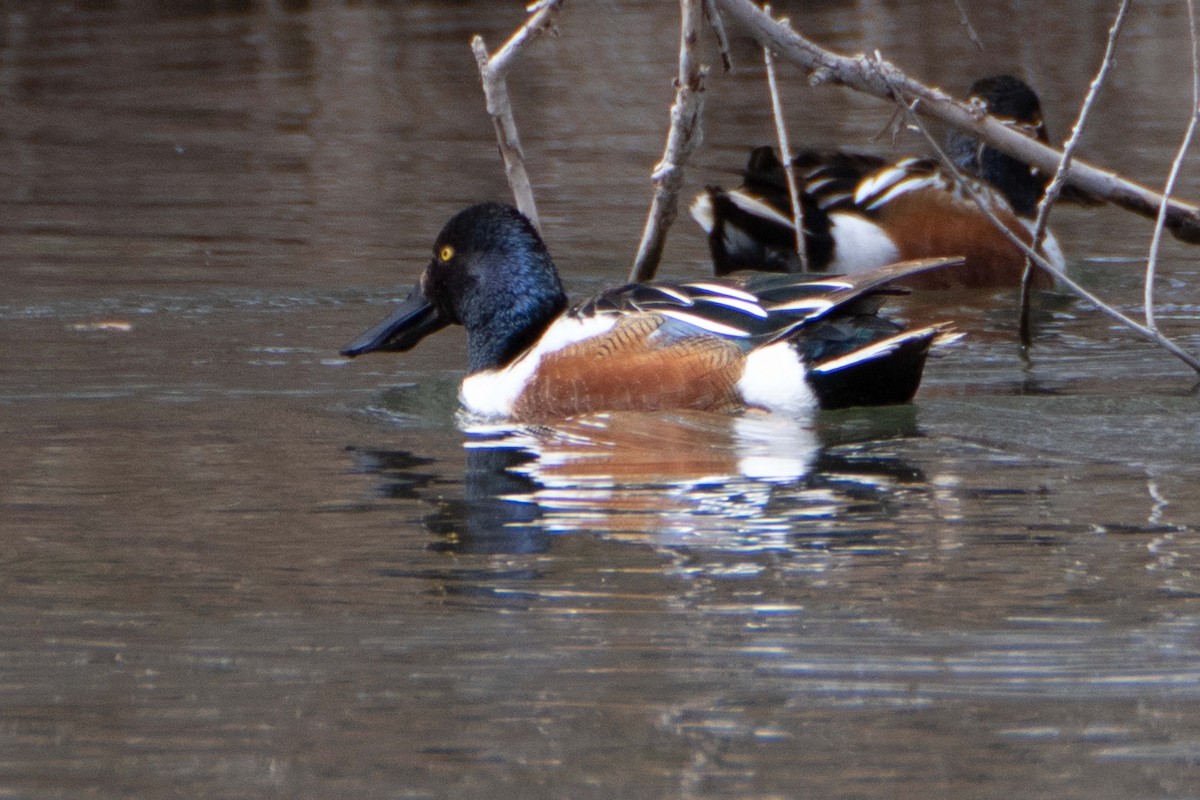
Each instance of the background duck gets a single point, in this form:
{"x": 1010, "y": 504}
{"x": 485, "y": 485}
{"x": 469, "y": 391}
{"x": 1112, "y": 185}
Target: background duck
{"x": 862, "y": 212}
{"x": 784, "y": 343}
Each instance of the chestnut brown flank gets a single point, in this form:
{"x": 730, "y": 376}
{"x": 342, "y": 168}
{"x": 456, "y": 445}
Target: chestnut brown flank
{"x": 624, "y": 370}
{"x": 933, "y": 222}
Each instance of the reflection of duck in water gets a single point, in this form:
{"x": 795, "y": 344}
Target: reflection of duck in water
{"x": 483, "y": 518}
{"x": 659, "y": 476}
{"x": 659, "y": 448}
{"x": 788, "y": 344}
{"x": 697, "y": 478}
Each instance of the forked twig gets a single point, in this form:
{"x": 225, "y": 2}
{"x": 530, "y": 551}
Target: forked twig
{"x": 682, "y": 139}
{"x": 492, "y": 70}
{"x": 1025, "y": 323}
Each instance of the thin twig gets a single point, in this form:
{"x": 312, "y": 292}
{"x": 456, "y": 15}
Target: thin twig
{"x": 1184, "y": 146}
{"x": 861, "y": 74}
{"x": 965, "y": 21}
{"x": 785, "y": 155}
{"x": 714, "y": 20}
{"x": 492, "y": 69}
{"x": 1025, "y": 323}
{"x": 682, "y": 139}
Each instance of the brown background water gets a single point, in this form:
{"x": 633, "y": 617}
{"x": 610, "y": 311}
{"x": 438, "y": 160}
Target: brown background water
{"x": 235, "y": 565}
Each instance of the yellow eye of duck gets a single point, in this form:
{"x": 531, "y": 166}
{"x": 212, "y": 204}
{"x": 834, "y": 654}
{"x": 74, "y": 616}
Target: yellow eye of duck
{"x": 445, "y": 253}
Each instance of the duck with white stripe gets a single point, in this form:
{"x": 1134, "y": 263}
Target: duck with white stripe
{"x": 781, "y": 343}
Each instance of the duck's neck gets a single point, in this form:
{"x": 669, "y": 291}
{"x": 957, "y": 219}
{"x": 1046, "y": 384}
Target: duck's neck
{"x": 1020, "y": 183}
{"x": 512, "y": 306}
{"x": 509, "y": 332}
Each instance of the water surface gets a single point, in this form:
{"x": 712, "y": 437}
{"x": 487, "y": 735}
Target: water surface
{"x": 237, "y": 565}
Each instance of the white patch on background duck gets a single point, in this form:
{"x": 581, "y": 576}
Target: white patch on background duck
{"x": 759, "y": 208}
{"x": 816, "y": 185}
{"x": 702, "y": 211}
{"x": 912, "y": 184}
{"x": 859, "y": 245}
{"x": 879, "y": 181}
{"x": 828, "y": 201}
{"x": 773, "y": 378}
{"x": 494, "y": 392}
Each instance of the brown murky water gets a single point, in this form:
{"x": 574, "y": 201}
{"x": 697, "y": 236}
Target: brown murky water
{"x": 235, "y": 565}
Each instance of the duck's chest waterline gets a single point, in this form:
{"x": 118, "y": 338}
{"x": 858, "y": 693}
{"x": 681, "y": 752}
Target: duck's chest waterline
{"x": 495, "y": 392}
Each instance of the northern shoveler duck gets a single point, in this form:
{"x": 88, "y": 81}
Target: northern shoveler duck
{"x": 861, "y": 212}
{"x": 784, "y": 343}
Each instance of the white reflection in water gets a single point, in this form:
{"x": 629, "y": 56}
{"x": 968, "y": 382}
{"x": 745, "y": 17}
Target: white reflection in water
{"x": 678, "y": 449}
{"x": 671, "y": 475}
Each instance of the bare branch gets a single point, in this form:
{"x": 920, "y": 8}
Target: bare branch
{"x": 1173, "y": 175}
{"x": 1025, "y": 323}
{"x": 881, "y": 80}
{"x": 492, "y": 70}
{"x": 682, "y": 139}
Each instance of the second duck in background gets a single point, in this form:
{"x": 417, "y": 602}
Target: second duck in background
{"x": 862, "y": 212}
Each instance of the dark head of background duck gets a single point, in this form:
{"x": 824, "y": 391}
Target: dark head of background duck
{"x": 1012, "y": 100}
